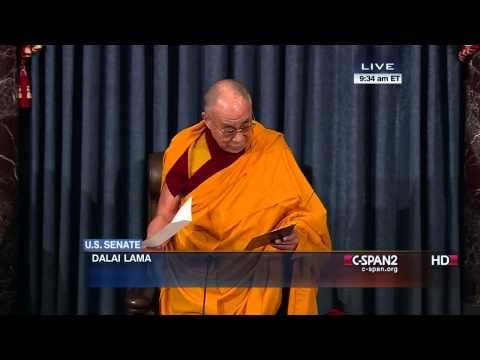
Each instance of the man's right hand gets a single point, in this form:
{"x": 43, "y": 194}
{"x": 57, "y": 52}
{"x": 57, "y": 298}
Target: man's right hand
{"x": 157, "y": 248}
{"x": 157, "y": 224}
{"x": 166, "y": 209}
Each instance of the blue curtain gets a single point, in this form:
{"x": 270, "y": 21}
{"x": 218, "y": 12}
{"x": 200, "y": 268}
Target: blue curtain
{"x": 385, "y": 159}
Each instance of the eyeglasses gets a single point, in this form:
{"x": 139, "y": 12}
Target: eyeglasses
{"x": 229, "y": 132}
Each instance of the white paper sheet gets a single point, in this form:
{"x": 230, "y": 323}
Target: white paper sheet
{"x": 182, "y": 218}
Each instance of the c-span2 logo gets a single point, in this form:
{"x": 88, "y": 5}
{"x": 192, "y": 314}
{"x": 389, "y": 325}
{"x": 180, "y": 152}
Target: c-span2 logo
{"x": 372, "y": 263}
{"x": 444, "y": 260}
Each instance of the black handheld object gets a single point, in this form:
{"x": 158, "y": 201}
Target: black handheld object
{"x": 270, "y": 237}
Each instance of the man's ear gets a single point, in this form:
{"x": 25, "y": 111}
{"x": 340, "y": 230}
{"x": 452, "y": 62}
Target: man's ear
{"x": 205, "y": 118}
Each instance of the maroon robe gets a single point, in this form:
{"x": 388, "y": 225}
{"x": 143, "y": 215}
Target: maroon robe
{"x": 177, "y": 179}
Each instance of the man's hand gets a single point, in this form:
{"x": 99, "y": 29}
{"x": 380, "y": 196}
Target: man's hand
{"x": 166, "y": 210}
{"x": 160, "y": 248}
{"x": 289, "y": 242}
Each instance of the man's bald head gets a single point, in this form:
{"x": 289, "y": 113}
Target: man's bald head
{"x": 225, "y": 91}
{"x": 227, "y": 107}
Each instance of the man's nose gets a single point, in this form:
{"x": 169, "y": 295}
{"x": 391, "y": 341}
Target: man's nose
{"x": 238, "y": 137}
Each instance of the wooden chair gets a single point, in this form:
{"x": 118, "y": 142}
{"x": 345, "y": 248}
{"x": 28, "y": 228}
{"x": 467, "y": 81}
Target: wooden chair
{"x": 146, "y": 300}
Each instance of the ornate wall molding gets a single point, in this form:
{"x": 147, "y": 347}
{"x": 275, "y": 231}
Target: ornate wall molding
{"x": 8, "y": 176}
{"x": 472, "y": 180}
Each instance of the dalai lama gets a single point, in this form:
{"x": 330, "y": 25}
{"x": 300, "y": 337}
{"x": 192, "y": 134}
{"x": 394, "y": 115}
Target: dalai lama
{"x": 244, "y": 181}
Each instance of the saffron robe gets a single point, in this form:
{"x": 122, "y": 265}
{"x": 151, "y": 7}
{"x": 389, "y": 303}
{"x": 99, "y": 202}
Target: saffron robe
{"x": 261, "y": 190}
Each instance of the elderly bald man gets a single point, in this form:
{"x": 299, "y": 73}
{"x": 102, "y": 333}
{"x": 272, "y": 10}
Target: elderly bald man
{"x": 244, "y": 181}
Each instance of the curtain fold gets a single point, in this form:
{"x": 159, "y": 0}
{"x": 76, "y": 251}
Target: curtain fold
{"x": 384, "y": 159}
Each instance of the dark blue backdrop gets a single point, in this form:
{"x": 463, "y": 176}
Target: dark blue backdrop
{"x": 385, "y": 159}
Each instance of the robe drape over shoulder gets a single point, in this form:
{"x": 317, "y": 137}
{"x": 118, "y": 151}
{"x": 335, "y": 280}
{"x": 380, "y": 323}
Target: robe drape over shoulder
{"x": 261, "y": 190}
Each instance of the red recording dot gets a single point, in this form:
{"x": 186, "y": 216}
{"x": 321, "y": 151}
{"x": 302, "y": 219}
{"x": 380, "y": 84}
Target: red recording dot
{"x": 453, "y": 260}
{"x": 347, "y": 260}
